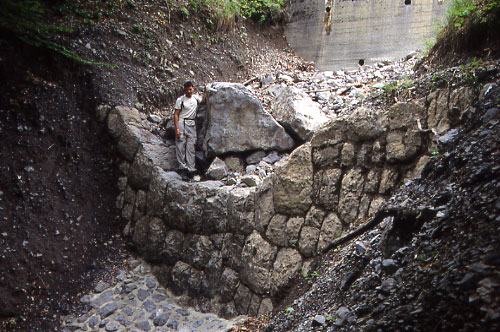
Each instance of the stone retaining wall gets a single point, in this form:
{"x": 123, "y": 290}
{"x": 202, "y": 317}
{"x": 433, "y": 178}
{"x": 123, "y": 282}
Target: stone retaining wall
{"x": 233, "y": 250}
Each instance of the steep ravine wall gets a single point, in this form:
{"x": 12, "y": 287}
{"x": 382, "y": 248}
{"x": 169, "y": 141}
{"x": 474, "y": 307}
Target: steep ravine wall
{"x": 337, "y": 34}
{"x": 233, "y": 250}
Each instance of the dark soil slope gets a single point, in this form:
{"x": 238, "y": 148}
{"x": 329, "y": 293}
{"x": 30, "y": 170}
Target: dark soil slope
{"x": 57, "y": 187}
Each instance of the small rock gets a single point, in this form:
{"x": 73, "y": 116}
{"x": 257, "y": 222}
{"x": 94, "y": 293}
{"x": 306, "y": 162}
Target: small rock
{"x": 161, "y": 320}
{"x": 128, "y": 288}
{"x": 159, "y": 297}
{"x": 83, "y": 318}
{"x": 342, "y": 316}
{"x": 127, "y": 311}
{"x": 450, "y": 136}
{"x": 85, "y": 299}
{"x": 318, "y": 320}
{"x": 387, "y": 286}
{"x": 101, "y": 287}
{"x": 149, "y": 306}
{"x": 142, "y": 294}
{"x": 272, "y": 157}
{"x": 251, "y": 169}
{"x": 250, "y": 180}
{"x": 143, "y": 326}
{"x": 102, "y": 298}
{"x": 93, "y": 321}
{"x": 360, "y": 248}
{"x": 108, "y": 309}
{"x": 183, "y": 312}
{"x": 217, "y": 170}
{"x": 154, "y": 118}
{"x": 122, "y": 320}
{"x": 151, "y": 283}
{"x": 173, "y": 324}
{"x": 255, "y": 157}
{"x": 103, "y": 323}
{"x": 492, "y": 113}
{"x": 112, "y": 326}
{"x": 389, "y": 265}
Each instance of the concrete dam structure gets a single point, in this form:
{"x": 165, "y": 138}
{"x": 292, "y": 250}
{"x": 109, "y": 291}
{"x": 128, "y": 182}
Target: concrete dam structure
{"x": 338, "y": 34}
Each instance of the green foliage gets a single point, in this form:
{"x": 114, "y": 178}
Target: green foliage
{"x": 223, "y": 12}
{"x": 25, "y": 19}
{"x": 261, "y": 10}
{"x": 403, "y": 84}
{"x": 289, "y": 310}
{"x": 479, "y": 11}
{"x": 309, "y": 276}
{"x": 469, "y": 70}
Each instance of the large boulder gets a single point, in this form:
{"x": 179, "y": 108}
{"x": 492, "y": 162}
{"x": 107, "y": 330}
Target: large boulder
{"x": 237, "y": 122}
{"x": 296, "y": 111}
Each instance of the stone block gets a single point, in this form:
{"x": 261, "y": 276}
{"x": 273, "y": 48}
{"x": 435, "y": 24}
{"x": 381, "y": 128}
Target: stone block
{"x": 264, "y": 204}
{"x": 308, "y": 241}
{"x": 293, "y": 226}
{"x": 326, "y": 188}
{"x": 330, "y": 230}
{"x": 314, "y": 217}
{"x": 285, "y": 269}
{"x": 275, "y": 231}
{"x": 293, "y": 183}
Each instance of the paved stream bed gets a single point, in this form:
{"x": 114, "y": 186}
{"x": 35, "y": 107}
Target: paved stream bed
{"x": 134, "y": 301}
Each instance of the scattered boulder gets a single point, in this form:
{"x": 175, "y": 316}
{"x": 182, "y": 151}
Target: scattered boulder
{"x": 296, "y": 111}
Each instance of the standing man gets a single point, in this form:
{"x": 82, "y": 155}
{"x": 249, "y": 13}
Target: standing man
{"x": 185, "y": 129}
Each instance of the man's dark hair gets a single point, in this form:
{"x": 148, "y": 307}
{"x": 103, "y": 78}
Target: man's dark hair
{"x": 188, "y": 84}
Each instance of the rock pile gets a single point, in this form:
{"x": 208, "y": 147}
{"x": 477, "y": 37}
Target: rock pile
{"x": 338, "y": 92}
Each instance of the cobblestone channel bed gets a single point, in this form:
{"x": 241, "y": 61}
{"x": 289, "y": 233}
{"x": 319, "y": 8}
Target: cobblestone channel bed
{"x": 135, "y": 301}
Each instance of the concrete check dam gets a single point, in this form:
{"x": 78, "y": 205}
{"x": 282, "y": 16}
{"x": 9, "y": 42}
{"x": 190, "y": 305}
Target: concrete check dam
{"x": 338, "y": 34}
